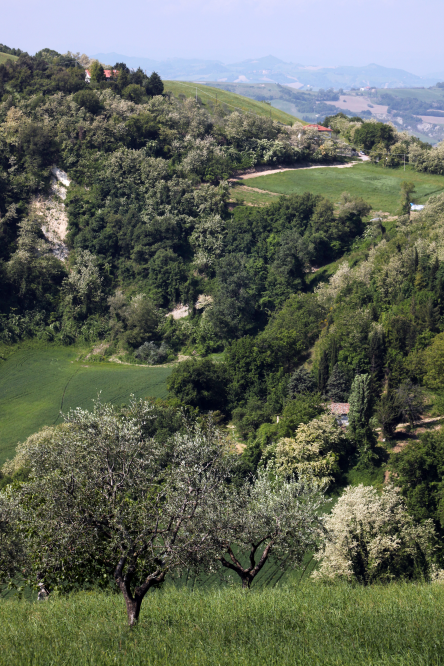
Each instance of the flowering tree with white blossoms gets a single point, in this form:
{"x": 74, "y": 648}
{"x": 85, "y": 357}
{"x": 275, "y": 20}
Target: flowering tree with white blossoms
{"x": 372, "y": 537}
{"x": 314, "y": 449}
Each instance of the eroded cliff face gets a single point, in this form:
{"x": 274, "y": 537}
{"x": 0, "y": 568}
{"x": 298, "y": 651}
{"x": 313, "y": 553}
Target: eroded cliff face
{"x": 51, "y": 210}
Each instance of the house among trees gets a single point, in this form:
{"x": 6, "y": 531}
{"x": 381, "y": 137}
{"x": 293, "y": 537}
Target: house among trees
{"x": 108, "y": 74}
{"x": 326, "y": 131}
{"x": 340, "y": 410}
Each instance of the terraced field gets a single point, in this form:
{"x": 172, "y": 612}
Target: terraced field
{"x": 37, "y": 382}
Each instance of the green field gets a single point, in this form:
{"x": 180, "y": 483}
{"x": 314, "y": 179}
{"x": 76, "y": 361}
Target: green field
{"x": 423, "y": 94}
{"x": 380, "y": 187}
{"x": 307, "y": 625}
{"x": 5, "y": 56}
{"x": 36, "y": 382}
{"x": 233, "y": 102}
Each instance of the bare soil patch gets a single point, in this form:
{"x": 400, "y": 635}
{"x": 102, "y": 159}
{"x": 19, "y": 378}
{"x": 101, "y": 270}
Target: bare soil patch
{"x": 269, "y": 172}
{"x": 434, "y": 120}
{"x": 356, "y": 104}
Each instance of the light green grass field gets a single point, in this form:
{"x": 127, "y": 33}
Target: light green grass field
{"x": 36, "y": 382}
{"x": 207, "y": 94}
{"x": 380, "y": 187}
{"x": 307, "y": 625}
{"x": 241, "y": 194}
{"x": 5, "y": 56}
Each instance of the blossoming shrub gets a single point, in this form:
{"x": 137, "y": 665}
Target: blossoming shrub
{"x": 373, "y": 538}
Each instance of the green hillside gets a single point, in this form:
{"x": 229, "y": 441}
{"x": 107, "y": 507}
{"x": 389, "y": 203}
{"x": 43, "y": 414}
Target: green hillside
{"x": 36, "y": 382}
{"x": 5, "y": 56}
{"x": 380, "y": 187}
{"x": 232, "y": 101}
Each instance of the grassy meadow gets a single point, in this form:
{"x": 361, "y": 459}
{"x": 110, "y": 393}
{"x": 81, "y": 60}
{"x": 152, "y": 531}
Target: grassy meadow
{"x": 5, "y": 56}
{"x": 233, "y": 102}
{"x": 307, "y": 625}
{"x": 37, "y": 381}
{"x": 380, "y": 187}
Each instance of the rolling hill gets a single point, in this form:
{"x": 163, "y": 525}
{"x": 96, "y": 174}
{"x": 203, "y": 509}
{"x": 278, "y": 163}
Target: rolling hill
{"x": 210, "y": 96}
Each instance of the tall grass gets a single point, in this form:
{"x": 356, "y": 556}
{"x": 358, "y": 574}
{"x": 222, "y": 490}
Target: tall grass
{"x": 308, "y": 625}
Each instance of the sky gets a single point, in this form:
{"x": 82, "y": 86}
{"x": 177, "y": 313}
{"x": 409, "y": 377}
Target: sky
{"x": 406, "y": 34}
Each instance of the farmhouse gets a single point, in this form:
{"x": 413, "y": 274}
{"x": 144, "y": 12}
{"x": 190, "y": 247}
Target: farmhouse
{"x": 340, "y": 410}
{"x": 108, "y": 74}
{"x": 325, "y": 131}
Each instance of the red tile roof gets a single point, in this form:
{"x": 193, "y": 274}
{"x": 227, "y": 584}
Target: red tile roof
{"x": 107, "y": 72}
{"x": 320, "y": 128}
{"x": 340, "y": 408}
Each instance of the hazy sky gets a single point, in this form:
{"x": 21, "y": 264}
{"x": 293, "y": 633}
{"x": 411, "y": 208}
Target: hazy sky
{"x": 395, "y": 33}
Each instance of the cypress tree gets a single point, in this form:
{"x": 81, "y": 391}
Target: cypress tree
{"x": 338, "y": 386}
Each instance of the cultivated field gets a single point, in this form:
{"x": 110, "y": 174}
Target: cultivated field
{"x": 380, "y": 187}
{"x": 356, "y": 104}
{"x": 36, "y": 382}
{"x": 306, "y": 625}
{"x": 233, "y": 102}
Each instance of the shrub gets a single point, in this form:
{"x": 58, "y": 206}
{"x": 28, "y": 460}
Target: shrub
{"x": 152, "y": 354}
{"x": 373, "y": 538}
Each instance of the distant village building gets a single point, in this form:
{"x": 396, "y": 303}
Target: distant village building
{"x": 340, "y": 410}
{"x": 108, "y": 74}
{"x": 416, "y": 207}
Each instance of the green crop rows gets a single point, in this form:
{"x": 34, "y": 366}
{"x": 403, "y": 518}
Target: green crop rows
{"x": 36, "y": 382}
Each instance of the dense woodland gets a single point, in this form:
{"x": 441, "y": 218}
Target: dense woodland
{"x": 150, "y": 229}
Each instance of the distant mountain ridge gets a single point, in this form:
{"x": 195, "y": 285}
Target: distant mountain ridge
{"x": 272, "y": 69}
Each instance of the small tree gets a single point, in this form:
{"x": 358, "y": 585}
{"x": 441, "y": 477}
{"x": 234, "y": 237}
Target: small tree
{"x": 154, "y": 85}
{"x": 410, "y": 399}
{"x": 359, "y": 417}
{"x": 407, "y": 191}
{"x": 269, "y": 517}
{"x": 105, "y": 502}
{"x": 372, "y": 537}
{"x": 387, "y": 413}
{"x": 97, "y": 72}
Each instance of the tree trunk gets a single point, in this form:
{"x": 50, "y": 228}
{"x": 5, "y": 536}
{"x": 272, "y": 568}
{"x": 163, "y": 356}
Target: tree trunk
{"x": 246, "y": 582}
{"x": 133, "y": 610}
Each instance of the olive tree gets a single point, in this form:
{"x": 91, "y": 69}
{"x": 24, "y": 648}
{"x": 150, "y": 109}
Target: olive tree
{"x": 104, "y": 501}
{"x": 270, "y": 516}
{"x": 11, "y": 544}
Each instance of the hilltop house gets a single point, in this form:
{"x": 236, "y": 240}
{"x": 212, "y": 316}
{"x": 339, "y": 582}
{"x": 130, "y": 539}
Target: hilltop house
{"x": 108, "y": 74}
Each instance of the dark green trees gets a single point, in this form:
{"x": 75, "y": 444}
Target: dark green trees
{"x": 199, "y": 384}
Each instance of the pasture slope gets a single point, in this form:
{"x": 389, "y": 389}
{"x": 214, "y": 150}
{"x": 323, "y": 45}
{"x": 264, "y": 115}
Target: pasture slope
{"x": 37, "y": 381}
{"x": 5, "y": 56}
{"x": 380, "y": 187}
{"x": 233, "y": 101}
